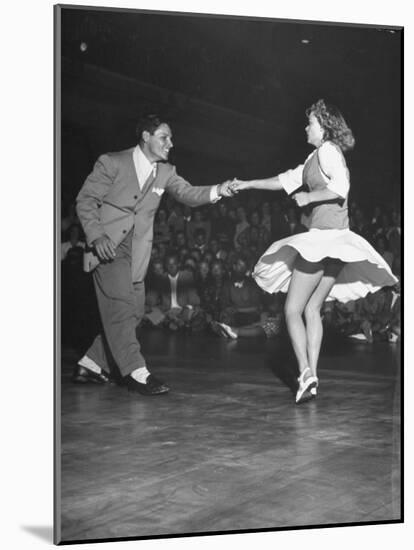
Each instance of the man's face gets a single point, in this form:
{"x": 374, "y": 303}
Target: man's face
{"x": 172, "y": 266}
{"x": 240, "y": 268}
{"x": 200, "y": 239}
{"x": 204, "y": 269}
{"x": 180, "y": 239}
{"x": 216, "y": 270}
{"x": 158, "y": 268}
{"x": 157, "y": 145}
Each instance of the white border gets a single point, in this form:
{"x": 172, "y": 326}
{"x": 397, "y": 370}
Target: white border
{"x": 26, "y": 384}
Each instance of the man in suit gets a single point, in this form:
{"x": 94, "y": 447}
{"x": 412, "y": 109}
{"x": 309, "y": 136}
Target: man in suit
{"x": 179, "y": 298}
{"x": 116, "y": 207}
{"x": 174, "y": 302}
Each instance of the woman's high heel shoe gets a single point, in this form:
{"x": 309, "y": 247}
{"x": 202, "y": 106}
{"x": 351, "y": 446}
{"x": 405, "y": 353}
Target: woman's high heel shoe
{"x": 305, "y": 387}
{"x": 314, "y": 390}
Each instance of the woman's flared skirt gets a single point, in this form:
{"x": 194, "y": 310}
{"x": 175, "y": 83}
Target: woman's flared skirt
{"x": 364, "y": 269}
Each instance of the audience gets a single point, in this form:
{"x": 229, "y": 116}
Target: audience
{"x": 200, "y": 269}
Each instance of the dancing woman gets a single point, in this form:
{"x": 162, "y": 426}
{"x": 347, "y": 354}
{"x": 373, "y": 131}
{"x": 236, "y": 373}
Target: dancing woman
{"x": 327, "y": 262}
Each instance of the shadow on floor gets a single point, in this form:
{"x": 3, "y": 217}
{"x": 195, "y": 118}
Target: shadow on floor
{"x": 42, "y": 532}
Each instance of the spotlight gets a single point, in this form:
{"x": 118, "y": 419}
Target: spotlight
{"x": 305, "y": 41}
{"x": 83, "y": 46}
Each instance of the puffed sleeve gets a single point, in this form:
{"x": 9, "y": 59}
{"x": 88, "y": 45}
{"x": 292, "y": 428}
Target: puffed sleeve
{"x": 333, "y": 166}
{"x": 291, "y": 179}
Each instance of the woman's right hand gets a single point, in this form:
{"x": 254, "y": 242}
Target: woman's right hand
{"x": 239, "y": 185}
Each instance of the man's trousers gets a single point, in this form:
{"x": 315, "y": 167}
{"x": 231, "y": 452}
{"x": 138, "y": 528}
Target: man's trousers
{"x": 121, "y": 305}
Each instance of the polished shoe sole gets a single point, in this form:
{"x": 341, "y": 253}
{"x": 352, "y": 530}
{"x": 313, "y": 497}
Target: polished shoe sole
{"x": 152, "y": 387}
{"x": 89, "y": 378}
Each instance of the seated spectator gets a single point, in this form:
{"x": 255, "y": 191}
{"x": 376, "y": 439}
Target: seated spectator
{"x": 198, "y": 222}
{"x": 241, "y": 225}
{"x": 379, "y": 311}
{"x": 223, "y": 253}
{"x": 382, "y": 247}
{"x": 279, "y": 225}
{"x": 214, "y": 246}
{"x": 178, "y": 302}
{"x": 223, "y": 228}
{"x": 269, "y": 325}
{"x": 241, "y": 298}
{"x": 374, "y": 222}
{"x": 294, "y": 225}
{"x": 208, "y": 256}
{"x": 190, "y": 265}
{"x": 180, "y": 240}
{"x": 214, "y": 291}
{"x": 162, "y": 250}
{"x": 75, "y": 240}
{"x": 266, "y": 217}
{"x": 384, "y": 226}
{"x": 153, "y": 282}
{"x": 161, "y": 228}
{"x": 342, "y": 317}
{"x": 255, "y": 237}
{"x": 394, "y": 234}
{"x": 196, "y": 255}
{"x": 232, "y": 215}
{"x": 176, "y": 221}
{"x": 200, "y": 240}
{"x": 359, "y": 224}
{"x": 204, "y": 284}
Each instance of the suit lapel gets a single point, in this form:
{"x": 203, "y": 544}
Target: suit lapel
{"x": 133, "y": 169}
{"x": 147, "y": 185}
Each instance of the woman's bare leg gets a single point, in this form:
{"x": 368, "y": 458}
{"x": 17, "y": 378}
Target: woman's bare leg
{"x": 305, "y": 278}
{"x": 314, "y": 327}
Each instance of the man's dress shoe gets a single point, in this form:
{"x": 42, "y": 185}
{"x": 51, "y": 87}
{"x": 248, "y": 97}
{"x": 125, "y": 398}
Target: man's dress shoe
{"x": 153, "y": 386}
{"x": 83, "y": 375}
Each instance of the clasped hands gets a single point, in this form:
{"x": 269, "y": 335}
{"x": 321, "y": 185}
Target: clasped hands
{"x": 230, "y": 188}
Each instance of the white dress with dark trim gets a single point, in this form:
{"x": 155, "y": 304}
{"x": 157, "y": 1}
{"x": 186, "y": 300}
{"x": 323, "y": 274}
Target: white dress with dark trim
{"x": 329, "y": 236}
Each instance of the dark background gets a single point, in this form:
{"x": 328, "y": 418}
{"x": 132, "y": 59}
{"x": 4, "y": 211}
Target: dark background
{"x": 235, "y": 90}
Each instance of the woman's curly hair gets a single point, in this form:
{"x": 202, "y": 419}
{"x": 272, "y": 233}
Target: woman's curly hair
{"x": 333, "y": 123}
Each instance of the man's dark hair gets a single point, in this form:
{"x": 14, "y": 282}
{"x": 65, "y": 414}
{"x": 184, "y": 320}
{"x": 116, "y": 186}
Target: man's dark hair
{"x": 149, "y": 123}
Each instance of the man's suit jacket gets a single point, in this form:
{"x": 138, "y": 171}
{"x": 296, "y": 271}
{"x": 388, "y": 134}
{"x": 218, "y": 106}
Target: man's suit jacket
{"x": 112, "y": 203}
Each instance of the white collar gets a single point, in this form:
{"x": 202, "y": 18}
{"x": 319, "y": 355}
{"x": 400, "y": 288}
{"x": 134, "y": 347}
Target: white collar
{"x": 145, "y": 165}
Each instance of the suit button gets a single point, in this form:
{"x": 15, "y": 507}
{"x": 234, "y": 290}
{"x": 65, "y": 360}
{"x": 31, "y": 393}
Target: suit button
{"x": 135, "y": 196}
{"x": 124, "y": 231}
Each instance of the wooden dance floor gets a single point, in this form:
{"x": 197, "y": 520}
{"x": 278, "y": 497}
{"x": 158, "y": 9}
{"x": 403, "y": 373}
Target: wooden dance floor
{"x": 227, "y": 449}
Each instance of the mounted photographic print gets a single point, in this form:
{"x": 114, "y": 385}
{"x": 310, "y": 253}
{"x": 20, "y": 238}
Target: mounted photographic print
{"x": 228, "y": 274}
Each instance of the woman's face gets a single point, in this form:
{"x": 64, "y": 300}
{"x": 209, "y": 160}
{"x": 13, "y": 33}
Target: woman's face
{"x": 314, "y": 131}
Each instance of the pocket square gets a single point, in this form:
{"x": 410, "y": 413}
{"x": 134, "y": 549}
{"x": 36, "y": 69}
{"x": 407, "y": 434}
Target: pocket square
{"x": 158, "y": 190}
